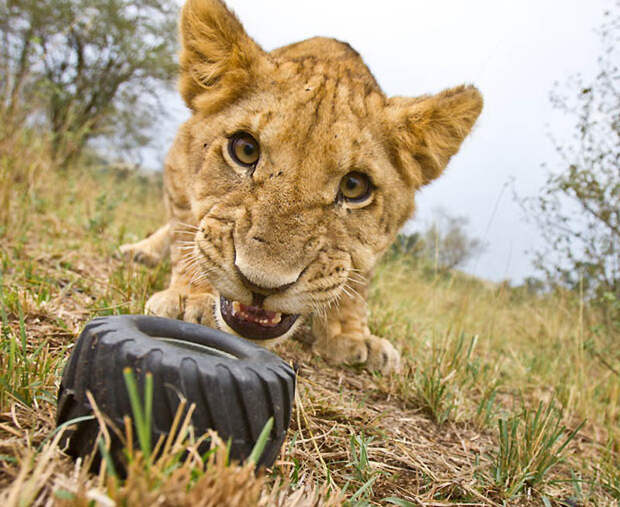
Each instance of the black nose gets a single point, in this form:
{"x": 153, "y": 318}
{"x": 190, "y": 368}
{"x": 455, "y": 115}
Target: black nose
{"x": 257, "y": 289}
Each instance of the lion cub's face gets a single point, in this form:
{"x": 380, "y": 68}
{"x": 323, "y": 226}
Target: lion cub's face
{"x": 298, "y": 170}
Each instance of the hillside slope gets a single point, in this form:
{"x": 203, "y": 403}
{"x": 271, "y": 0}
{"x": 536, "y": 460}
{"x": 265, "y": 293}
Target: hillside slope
{"x": 476, "y": 358}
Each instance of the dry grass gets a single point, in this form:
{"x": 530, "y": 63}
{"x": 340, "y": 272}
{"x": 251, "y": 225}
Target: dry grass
{"x": 477, "y": 358}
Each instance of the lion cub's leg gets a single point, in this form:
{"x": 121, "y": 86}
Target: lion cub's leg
{"x": 342, "y": 336}
{"x": 152, "y": 250}
{"x": 182, "y": 299}
{"x": 185, "y": 298}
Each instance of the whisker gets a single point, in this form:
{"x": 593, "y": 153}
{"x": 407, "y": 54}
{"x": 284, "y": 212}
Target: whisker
{"x": 356, "y": 273}
{"x": 358, "y": 280}
{"x": 186, "y": 234}
{"x": 346, "y": 291}
{"x": 189, "y": 252}
{"x": 197, "y": 278}
{"x": 191, "y": 263}
{"x": 190, "y": 256}
{"x": 318, "y": 308}
{"x": 356, "y": 293}
{"x": 189, "y": 226}
{"x": 201, "y": 273}
{"x": 351, "y": 292}
{"x": 191, "y": 259}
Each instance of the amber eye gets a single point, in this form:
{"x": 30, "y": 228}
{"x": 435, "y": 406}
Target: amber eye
{"x": 243, "y": 149}
{"x": 355, "y": 187}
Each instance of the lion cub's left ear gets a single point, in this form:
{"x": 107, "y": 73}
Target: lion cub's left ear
{"x": 428, "y": 130}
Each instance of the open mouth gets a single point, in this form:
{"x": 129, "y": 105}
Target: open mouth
{"x": 253, "y": 321}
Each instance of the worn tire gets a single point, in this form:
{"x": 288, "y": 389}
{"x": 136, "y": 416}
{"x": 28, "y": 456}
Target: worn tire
{"x": 236, "y": 385}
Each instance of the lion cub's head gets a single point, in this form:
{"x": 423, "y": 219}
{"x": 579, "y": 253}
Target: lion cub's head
{"x": 297, "y": 169}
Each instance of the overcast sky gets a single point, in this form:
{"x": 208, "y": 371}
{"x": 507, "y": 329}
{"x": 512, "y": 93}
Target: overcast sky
{"x": 513, "y": 51}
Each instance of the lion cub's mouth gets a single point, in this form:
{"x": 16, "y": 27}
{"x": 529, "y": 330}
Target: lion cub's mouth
{"x": 253, "y": 321}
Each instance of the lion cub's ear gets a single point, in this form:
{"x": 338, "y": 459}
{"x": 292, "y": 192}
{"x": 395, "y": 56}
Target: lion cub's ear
{"x": 218, "y": 59}
{"x": 428, "y": 130}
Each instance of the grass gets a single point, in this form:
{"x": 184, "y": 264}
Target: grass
{"x": 439, "y": 381}
{"x": 26, "y": 371}
{"x": 530, "y": 444}
{"x": 364, "y": 473}
{"x": 529, "y": 346}
{"x": 489, "y": 408}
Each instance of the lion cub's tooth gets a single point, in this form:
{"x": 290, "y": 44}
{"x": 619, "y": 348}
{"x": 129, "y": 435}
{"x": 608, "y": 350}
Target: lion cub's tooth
{"x": 236, "y": 307}
{"x": 276, "y": 319}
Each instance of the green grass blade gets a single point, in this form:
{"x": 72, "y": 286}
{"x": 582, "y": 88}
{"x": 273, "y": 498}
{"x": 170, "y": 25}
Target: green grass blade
{"x": 148, "y": 405}
{"x": 261, "y": 442}
{"x": 365, "y": 487}
{"x": 62, "y": 426}
{"x": 399, "y": 501}
{"x": 107, "y": 458}
{"x": 144, "y": 431}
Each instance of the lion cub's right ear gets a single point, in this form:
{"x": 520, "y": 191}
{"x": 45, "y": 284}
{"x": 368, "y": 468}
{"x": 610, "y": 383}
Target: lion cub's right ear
{"x": 218, "y": 59}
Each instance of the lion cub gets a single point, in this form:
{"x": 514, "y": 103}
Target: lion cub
{"x": 287, "y": 184}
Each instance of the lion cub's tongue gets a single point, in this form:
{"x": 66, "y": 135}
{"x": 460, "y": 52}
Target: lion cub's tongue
{"x": 256, "y": 314}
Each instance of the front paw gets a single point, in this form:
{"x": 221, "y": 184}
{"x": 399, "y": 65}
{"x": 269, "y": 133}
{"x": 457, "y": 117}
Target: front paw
{"x": 168, "y": 303}
{"x": 199, "y": 309}
{"x": 382, "y": 355}
{"x": 373, "y": 352}
{"x": 138, "y": 252}
{"x": 174, "y": 304}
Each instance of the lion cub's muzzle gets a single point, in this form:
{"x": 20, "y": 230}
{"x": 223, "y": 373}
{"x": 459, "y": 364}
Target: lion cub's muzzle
{"x": 253, "y": 321}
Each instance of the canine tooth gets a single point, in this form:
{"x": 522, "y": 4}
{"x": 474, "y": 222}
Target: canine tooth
{"x": 236, "y": 307}
{"x": 277, "y": 318}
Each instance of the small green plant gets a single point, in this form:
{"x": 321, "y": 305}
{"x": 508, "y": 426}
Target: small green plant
{"x": 129, "y": 287}
{"x": 438, "y": 381}
{"x": 27, "y": 373}
{"x": 102, "y": 215}
{"x": 362, "y": 468}
{"x": 364, "y": 473}
{"x": 530, "y": 445}
{"x": 610, "y": 472}
{"x": 142, "y": 416}
{"x": 176, "y": 456}
{"x": 486, "y": 406}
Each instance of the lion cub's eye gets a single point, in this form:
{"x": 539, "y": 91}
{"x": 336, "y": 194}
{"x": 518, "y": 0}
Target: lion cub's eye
{"x": 355, "y": 187}
{"x": 244, "y": 149}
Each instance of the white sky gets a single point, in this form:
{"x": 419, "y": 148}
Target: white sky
{"x": 513, "y": 51}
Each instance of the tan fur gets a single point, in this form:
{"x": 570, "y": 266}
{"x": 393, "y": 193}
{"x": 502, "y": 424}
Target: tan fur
{"x": 318, "y": 114}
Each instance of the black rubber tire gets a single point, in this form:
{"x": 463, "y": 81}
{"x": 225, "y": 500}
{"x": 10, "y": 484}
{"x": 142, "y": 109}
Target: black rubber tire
{"x": 236, "y": 386}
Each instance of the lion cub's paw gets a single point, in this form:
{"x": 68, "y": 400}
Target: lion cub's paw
{"x": 174, "y": 304}
{"x": 199, "y": 309}
{"x": 374, "y": 352}
{"x": 382, "y": 355}
{"x": 139, "y": 252}
{"x": 168, "y": 303}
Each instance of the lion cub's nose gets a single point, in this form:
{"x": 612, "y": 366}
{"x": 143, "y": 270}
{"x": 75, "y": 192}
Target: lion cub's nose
{"x": 258, "y": 288}
{"x": 266, "y": 266}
